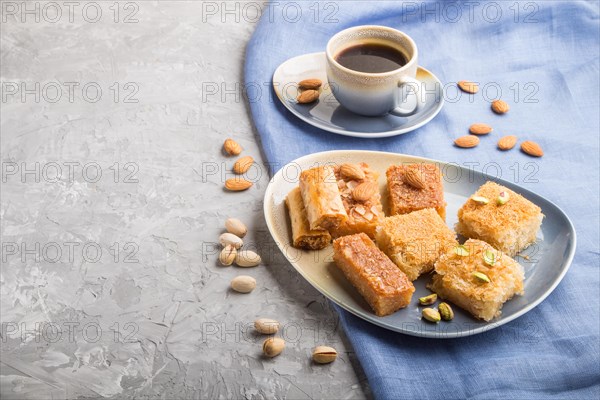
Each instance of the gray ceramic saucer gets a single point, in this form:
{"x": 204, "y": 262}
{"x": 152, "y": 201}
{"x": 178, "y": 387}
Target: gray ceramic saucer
{"x": 327, "y": 113}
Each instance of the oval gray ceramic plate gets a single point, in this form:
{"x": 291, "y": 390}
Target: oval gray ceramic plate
{"x": 548, "y": 260}
{"x": 327, "y": 114}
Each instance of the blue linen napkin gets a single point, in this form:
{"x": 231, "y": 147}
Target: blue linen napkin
{"x": 544, "y": 56}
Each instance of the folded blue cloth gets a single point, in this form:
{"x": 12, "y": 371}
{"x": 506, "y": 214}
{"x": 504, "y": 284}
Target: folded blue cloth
{"x": 544, "y": 58}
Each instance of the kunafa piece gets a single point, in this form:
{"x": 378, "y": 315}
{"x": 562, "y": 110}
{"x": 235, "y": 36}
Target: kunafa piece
{"x": 371, "y": 272}
{"x": 500, "y": 217}
{"x": 477, "y": 278}
{"x": 415, "y": 241}
{"x": 302, "y": 236}
{"x": 322, "y": 198}
{"x": 413, "y": 187}
{"x": 361, "y": 198}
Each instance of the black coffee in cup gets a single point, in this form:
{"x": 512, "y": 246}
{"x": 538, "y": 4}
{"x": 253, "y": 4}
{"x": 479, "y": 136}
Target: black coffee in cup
{"x": 371, "y": 58}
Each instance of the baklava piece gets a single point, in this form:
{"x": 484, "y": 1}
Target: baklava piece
{"x": 415, "y": 241}
{"x": 302, "y": 236}
{"x": 478, "y": 278}
{"x": 322, "y": 198}
{"x": 500, "y": 217}
{"x": 359, "y": 189}
{"x": 370, "y": 271}
{"x": 413, "y": 187}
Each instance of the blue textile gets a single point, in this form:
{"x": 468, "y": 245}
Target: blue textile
{"x": 544, "y": 56}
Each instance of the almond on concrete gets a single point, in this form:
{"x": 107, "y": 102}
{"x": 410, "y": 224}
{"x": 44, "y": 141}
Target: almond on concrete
{"x": 352, "y": 171}
{"x": 365, "y": 191}
{"x": 532, "y": 148}
{"x": 507, "y": 142}
{"x": 500, "y": 107}
{"x": 480, "y": 129}
{"x": 414, "y": 179}
{"x": 467, "y": 141}
{"x": 232, "y": 147}
{"x": 312, "y": 83}
{"x": 308, "y": 96}
{"x": 468, "y": 86}
{"x": 237, "y": 184}
{"x": 242, "y": 165}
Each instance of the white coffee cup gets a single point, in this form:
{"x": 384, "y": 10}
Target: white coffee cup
{"x": 373, "y": 94}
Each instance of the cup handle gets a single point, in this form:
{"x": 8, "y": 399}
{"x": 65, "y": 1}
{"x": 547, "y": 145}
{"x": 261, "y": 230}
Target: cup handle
{"x": 410, "y": 105}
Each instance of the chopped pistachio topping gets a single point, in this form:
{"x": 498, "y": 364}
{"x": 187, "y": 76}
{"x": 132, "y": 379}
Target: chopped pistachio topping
{"x": 503, "y": 197}
{"x": 481, "y": 277}
{"x": 461, "y": 251}
{"x": 480, "y": 199}
{"x": 428, "y": 300}
{"x": 489, "y": 257}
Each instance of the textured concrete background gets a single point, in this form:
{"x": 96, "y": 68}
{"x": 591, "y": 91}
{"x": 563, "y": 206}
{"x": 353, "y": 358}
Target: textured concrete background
{"x": 113, "y": 116}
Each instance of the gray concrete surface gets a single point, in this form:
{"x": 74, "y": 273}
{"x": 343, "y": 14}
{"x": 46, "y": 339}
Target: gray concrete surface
{"x": 112, "y": 203}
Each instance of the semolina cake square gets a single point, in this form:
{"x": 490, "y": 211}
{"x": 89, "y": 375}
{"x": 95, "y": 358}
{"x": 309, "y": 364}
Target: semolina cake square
{"x": 377, "y": 279}
{"x": 363, "y": 212}
{"x": 509, "y": 227}
{"x": 458, "y": 278}
{"x": 405, "y": 196}
{"x": 415, "y": 241}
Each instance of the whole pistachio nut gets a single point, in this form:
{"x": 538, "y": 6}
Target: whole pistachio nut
{"x": 324, "y": 354}
{"x": 273, "y": 346}
{"x": 431, "y": 315}
{"x": 236, "y": 227}
{"x": 230, "y": 239}
{"x": 428, "y": 300}
{"x": 266, "y": 326}
{"x": 227, "y": 255}
{"x": 446, "y": 311}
